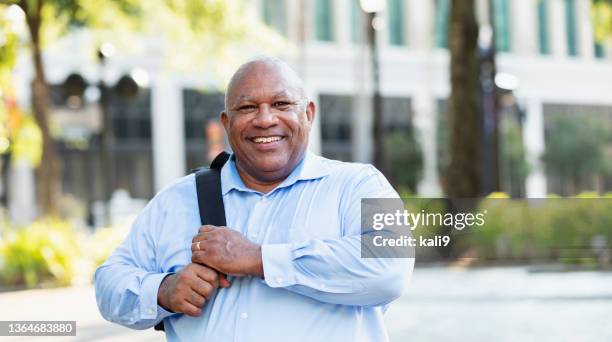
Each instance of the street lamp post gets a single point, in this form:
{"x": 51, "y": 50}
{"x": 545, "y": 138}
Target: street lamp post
{"x": 106, "y": 142}
{"x": 372, "y": 8}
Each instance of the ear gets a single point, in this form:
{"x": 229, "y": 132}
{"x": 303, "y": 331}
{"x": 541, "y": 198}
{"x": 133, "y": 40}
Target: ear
{"x": 310, "y": 111}
{"x": 225, "y": 121}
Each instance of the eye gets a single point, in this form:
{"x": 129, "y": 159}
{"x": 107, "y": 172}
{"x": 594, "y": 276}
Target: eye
{"x": 282, "y": 104}
{"x": 247, "y": 108}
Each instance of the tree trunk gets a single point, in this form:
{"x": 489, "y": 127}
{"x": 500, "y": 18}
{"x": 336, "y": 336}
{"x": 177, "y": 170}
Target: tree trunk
{"x": 465, "y": 117}
{"x": 49, "y": 172}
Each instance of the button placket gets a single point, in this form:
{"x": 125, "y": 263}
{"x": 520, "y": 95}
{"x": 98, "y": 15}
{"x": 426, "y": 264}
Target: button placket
{"x": 253, "y": 228}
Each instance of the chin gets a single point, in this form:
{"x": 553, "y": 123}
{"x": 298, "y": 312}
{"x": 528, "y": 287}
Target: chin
{"x": 270, "y": 167}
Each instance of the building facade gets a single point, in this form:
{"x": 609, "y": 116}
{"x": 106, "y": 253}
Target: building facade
{"x": 546, "y": 48}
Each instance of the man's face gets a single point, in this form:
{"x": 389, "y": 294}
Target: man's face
{"x": 267, "y": 121}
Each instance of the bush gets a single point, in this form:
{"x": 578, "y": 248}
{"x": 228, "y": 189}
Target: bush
{"x": 43, "y": 252}
{"x": 552, "y": 228}
{"x": 53, "y": 253}
{"x": 103, "y": 242}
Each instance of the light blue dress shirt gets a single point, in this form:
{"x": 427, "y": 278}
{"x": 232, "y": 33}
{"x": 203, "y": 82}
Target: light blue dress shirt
{"x": 316, "y": 286}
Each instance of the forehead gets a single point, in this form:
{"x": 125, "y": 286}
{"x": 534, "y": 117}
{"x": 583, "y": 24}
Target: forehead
{"x": 262, "y": 80}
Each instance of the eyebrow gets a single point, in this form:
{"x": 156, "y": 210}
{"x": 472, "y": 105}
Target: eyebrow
{"x": 242, "y": 98}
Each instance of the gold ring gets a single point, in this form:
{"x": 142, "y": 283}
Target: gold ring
{"x": 198, "y": 245}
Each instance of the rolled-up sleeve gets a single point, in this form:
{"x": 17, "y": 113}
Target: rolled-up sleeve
{"x": 332, "y": 270}
{"x": 127, "y": 283}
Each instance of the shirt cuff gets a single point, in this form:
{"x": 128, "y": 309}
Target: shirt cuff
{"x": 148, "y": 297}
{"x": 278, "y": 267}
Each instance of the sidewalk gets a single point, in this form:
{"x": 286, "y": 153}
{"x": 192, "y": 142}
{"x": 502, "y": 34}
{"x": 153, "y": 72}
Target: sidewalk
{"x": 439, "y": 304}
{"x": 67, "y": 304}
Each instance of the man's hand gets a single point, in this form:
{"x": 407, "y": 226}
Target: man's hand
{"x": 227, "y": 251}
{"x": 188, "y": 290}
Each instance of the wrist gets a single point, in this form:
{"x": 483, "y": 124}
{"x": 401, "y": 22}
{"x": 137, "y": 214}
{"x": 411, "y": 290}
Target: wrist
{"x": 162, "y": 293}
{"x": 256, "y": 268}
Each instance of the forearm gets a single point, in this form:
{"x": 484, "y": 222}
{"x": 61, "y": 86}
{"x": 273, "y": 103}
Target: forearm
{"x": 333, "y": 271}
{"x": 127, "y": 295}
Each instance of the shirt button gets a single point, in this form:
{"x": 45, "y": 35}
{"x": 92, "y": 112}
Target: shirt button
{"x": 244, "y": 315}
{"x": 151, "y": 311}
{"x": 279, "y": 280}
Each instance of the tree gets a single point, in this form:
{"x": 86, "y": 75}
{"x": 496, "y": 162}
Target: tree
{"x": 179, "y": 23}
{"x": 463, "y": 173}
{"x": 602, "y": 19}
{"x": 405, "y": 161}
{"x": 575, "y": 149}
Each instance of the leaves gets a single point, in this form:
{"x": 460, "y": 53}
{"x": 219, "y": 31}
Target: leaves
{"x": 575, "y": 146}
{"x": 601, "y": 13}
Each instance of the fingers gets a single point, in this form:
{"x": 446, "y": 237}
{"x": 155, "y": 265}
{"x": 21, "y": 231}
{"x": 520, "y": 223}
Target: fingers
{"x": 203, "y": 232}
{"x": 190, "y": 309}
{"x": 199, "y": 257}
{"x": 197, "y": 246}
{"x": 207, "y": 228}
{"x": 223, "y": 282}
{"x": 203, "y": 288}
{"x": 206, "y": 280}
{"x": 208, "y": 275}
{"x": 196, "y": 299}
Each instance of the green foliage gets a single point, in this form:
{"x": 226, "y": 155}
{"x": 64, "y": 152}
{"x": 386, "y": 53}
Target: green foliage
{"x": 188, "y": 34}
{"x": 42, "y": 252}
{"x": 514, "y": 166}
{"x": 27, "y": 142}
{"x": 103, "y": 242}
{"x": 575, "y": 147}
{"x": 542, "y": 229}
{"x": 405, "y": 160}
{"x": 601, "y": 13}
{"x": 52, "y": 252}
{"x": 8, "y": 44}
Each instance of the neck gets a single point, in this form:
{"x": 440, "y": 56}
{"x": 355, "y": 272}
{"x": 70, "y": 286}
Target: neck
{"x": 255, "y": 184}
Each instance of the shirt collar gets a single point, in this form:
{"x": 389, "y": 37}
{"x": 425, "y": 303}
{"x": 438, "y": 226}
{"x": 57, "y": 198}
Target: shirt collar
{"x": 311, "y": 167}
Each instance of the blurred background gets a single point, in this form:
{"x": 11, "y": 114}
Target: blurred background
{"x": 105, "y": 103}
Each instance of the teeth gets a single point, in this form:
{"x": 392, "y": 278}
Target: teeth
{"x": 263, "y": 140}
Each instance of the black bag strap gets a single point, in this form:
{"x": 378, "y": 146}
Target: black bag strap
{"x": 208, "y": 187}
{"x": 210, "y": 199}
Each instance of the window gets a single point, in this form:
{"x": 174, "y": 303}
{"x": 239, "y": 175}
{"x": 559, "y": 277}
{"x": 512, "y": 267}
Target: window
{"x": 200, "y": 110}
{"x": 397, "y": 115}
{"x": 396, "y": 22}
{"x": 570, "y": 25}
{"x": 599, "y": 50}
{"x": 323, "y": 20}
{"x": 274, "y": 15}
{"x": 501, "y": 23}
{"x": 357, "y": 27}
{"x": 131, "y": 118}
{"x": 336, "y": 128}
{"x": 442, "y": 20}
{"x": 543, "y": 27}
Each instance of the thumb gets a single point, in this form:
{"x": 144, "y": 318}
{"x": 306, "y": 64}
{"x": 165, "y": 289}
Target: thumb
{"x": 223, "y": 282}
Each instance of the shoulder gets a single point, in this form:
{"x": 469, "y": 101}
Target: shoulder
{"x": 179, "y": 192}
{"x": 351, "y": 173}
{"x": 357, "y": 180}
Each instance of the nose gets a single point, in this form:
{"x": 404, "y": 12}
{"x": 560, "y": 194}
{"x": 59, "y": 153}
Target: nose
{"x": 265, "y": 117}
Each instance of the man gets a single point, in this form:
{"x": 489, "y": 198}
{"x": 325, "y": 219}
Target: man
{"x": 291, "y": 249}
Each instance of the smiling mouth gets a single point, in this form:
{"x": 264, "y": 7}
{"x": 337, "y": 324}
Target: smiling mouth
{"x": 267, "y": 139}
